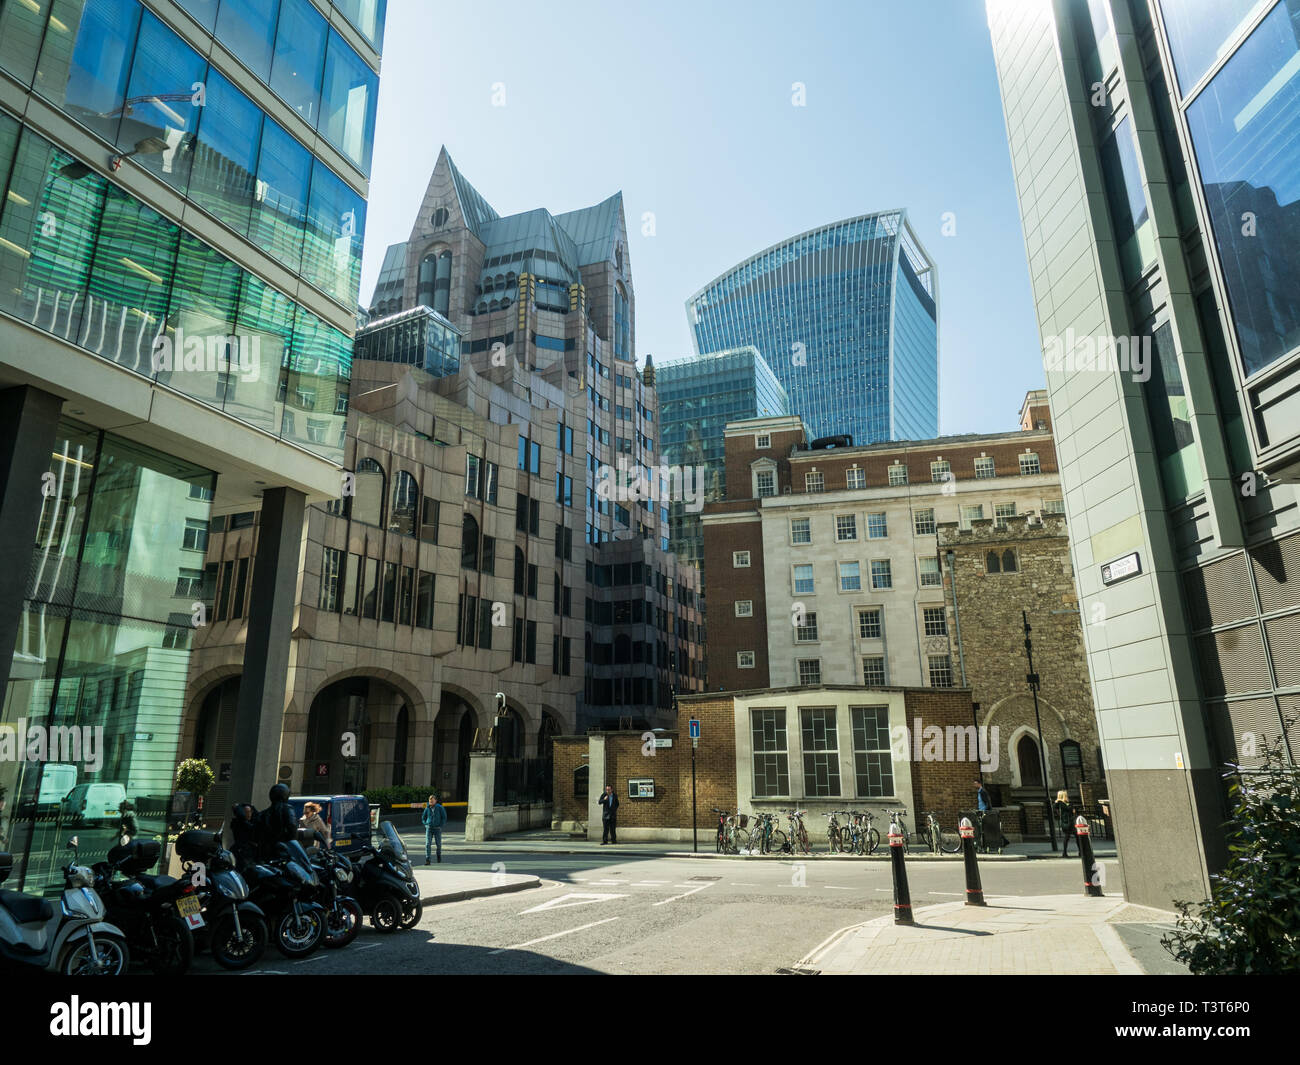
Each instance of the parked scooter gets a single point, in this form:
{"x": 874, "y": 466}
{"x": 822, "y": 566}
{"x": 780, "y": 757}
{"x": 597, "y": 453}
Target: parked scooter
{"x": 73, "y": 939}
{"x": 155, "y": 912}
{"x": 384, "y": 883}
{"x": 234, "y": 928}
{"x": 286, "y": 888}
{"x": 343, "y": 915}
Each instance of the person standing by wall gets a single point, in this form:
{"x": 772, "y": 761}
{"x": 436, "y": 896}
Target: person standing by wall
{"x": 433, "y": 818}
{"x": 609, "y": 816}
{"x": 1065, "y": 819}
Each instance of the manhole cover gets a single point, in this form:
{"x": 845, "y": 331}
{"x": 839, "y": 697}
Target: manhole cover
{"x": 798, "y": 972}
{"x": 706, "y": 878}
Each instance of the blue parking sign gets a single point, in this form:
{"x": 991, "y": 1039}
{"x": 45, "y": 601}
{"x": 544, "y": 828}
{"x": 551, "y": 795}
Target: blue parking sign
{"x": 695, "y": 728}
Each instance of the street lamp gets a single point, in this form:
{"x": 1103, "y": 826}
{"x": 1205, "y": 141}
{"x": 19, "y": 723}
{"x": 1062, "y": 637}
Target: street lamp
{"x": 1032, "y": 678}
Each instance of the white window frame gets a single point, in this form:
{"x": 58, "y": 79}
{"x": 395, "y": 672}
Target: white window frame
{"x": 987, "y": 470}
{"x": 809, "y": 481}
{"x": 794, "y": 578}
{"x": 884, "y": 521}
{"x": 744, "y": 659}
{"x": 748, "y": 608}
{"x": 801, "y": 543}
{"x": 736, "y": 562}
{"x": 839, "y": 566}
{"x": 930, "y": 624}
{"x": 964, "y": 522}
{"x": 940, "y": 471}
{"x": 759, "y": 486}
{"x": 798, "y": 672}
{"x": 852, "y": 519}
{"x": 807, "y": 632}
{"x": 917, "y": 520}
{"x": 889, "y": 573}
{"x": 922, "y": 573}
{"x": 1033, "y": 460}
{"x": 762, "y": 441}
{"x": 855, "y": 474}
{"x": 1000, "y": 520}
{"x": 897, "y": 475}
{"x": 880, "y": 622}
{"x": 884, "y": 670}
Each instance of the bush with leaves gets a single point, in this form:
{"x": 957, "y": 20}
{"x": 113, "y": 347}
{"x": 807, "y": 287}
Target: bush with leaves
{"x": 1251, "y": 922}
{"x": 194, "y": 775}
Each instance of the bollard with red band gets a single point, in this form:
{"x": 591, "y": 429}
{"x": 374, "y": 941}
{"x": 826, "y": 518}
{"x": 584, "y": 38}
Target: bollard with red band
{"x": 1091, "y": 883}
{"x": 902, "y": 896}
{"x": 974, "y": 889}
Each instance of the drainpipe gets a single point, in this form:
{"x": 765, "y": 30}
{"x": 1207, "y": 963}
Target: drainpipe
{"x": 956, "y": 617}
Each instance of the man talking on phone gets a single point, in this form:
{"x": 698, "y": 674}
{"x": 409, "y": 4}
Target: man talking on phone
{"x": 609, "y": 815}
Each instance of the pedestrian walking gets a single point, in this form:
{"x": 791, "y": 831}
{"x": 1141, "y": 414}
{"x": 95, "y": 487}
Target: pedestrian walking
{"x": 609, "y": 816}
{"x": 1065, "y": 818}
{"x": 127, "y": 827}
{"x": 433, "y": 818}
{"x": 313, "y": 822}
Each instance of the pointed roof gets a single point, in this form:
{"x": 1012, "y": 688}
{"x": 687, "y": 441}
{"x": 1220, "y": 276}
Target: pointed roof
{"x": 476, "y": 210}
{"x": 594, "y": 229}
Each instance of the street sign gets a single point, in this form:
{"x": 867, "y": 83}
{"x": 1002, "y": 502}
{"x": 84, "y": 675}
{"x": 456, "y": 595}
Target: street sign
{"x": 695, "y": 728}
{"x": 1117, "y": 570}
{"x": 663, "y": 741}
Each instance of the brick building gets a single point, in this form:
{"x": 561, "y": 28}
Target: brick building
{"x": 817, "y": 748}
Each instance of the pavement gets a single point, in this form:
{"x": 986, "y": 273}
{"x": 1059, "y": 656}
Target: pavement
{"x": 455, "y": 885}
{"x": 1021, "y": 935}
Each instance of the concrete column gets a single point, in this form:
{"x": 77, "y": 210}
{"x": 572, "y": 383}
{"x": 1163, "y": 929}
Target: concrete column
{"x": 29, "y": 422}
{"x": 595, "y": 784}
{"x": 482, "y": 788}
{"x": 259, "y": 718}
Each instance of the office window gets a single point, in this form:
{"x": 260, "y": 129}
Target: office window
{"x": 189, "y": 584}
{"x": 390, "y": 591}
{"x": 984, "y": 468}
{"x": 196, "y": 535}
{"x": 850, "y": 577}
{"x": 801, "y": 530}
{"x": 846, "y": 527}
{"x": 744, "y": 659}
{"x": 466, "y": 619}
{"x": 1029, "y": 464}
{"x": 424, "y": 601}
{"x": 763, "y": 441}
{"x": 766, "y": 483}
{"x": 877, "y": 527}
{"x": 814, "y": 481}
{"x": 740, "y": 559}
{"x": 472, "y": 487}
{"x": 940, "y": 471}
{"x": 469, "y": 543}
{"x": 1053, "y": 506}
{"x": 970, "y": 514}
{"x": 405, "y": 592}
{"x": 881, "y": 576}
{"x": 771, "y": 758}
{"x": 532, "y": 581}
{"x": 348, "y": 95}
{"x": 929, "y": 570}
{"x": 530, "y": 643}
{"x": 807, "y": 632}
{"x": 897, "y": 475}
{"x": 923, "y": 522}
{"x": 935, "y": 620}
{"x": 940, "y": 671}
{"x": 485, "y": 625}
{"x": 821, "y": 756}
{"x": 810, "y": 671}
{"x": 873, "y": 670}
{"x": 1001, "y": 512}
{"x": 517, "y": 650}
{"x": 873, "y": 766}
{"x": 803, "y": 580}
{"x": 331, "y": 564}
{"x": 870, "y": 626}
{"x": 488, "y": 563}
{"x": 1004, "y": 562}
{"x": 744, "y": 608}
{"x": 370, "y": 589}
{"x": 855, "y": 478}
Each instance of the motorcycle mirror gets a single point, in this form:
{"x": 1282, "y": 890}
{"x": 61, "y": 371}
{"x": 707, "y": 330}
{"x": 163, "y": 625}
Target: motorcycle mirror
{"x": 73, "y": 844}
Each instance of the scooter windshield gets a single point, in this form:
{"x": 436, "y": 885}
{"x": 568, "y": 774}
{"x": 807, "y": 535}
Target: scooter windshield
{"x": 390, "y": 841}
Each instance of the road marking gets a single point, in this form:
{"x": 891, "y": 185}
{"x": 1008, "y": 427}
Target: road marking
{"x": 949, "y": 894}
{"x": 579, "y": 899}
{"x": 833, "y": 887}
{"x": 318, "y": 957}
{"x": 742, "y": 883}
{"x": 605, "y": 883}
{"x": 368, "y": 946}
{"x": 556, "y": 935}
{"x": 643, "y": 883}
{"x": 698, "y": 887}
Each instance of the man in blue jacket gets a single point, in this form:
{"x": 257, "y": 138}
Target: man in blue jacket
{"x": 433, "y": 818}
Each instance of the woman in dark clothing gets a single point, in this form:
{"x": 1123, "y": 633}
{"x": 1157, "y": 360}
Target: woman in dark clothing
{"x": 1065, "y": 818}
{"x": 244, "y": 830}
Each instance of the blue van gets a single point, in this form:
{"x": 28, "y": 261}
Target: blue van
{"x": 348, "y": 817}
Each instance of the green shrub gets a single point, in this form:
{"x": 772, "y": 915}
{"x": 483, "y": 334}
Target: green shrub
{"x": 399, "y": 793}
{"x": 1251, "y": 922}
{"x": 194, "y": 775}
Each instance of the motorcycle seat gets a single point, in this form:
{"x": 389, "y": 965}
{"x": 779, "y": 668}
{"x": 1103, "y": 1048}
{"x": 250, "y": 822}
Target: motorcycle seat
{"x": 26, "y": 909}
{"x": 158, "y": 881}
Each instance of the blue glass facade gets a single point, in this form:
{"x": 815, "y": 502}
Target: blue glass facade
{"x": 846, "y": 318}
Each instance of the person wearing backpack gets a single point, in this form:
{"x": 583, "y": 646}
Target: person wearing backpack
{"x": 433, "y": 818}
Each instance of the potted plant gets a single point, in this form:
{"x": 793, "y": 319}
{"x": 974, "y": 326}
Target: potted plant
{"x": 194, "y": 776}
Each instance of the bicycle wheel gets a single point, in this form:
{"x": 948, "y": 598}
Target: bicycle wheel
{"x": 832, "y": 841}
{"x": 719, "y": 845}
{"x": 739, "y": 841}
{"x": 776, "y": 842}
{"x": 873, "y": 841}
{"x": 949, "y": 842}
{"x": 804, "y": 846}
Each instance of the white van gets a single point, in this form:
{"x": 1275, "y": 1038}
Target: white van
{"x": 87, "y": 803}
{"x": 57, "y": 779}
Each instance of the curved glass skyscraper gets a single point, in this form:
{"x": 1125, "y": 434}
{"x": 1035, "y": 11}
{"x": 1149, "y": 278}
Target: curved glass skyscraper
{"x": 846, "y": 316}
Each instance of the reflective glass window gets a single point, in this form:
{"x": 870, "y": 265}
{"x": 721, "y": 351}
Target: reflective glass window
{"x": 85, "y": 59}
{"x": 224, "y": 180}
{"x": 348, "y": 96}
{"x": 205, "y": 11}
{"x": 1200, "y": 31}
{"x": 21, "y": 27}
{"x": 204, "y": 358}
{"x": 280, "y": 206}
{"x": 299, "y": 58}
{"x": 1128, "y": 203}
{"x": 264, "y": 328}
{"x": 247, "y": 28}
{"x": 1245, "y": 126}
{"x": 320, "y": 366}
{"x": 367, "y": 16}
{"x": 336, "y": 221}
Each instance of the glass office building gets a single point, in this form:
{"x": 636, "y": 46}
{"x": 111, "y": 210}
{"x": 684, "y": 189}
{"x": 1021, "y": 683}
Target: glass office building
{"x": 180, "y": 249}
{"x": 1156, "y": 148}
{"x": 697, "y": 398}
{"x": 846, "y": 316}
{"x": 418, "y": 337}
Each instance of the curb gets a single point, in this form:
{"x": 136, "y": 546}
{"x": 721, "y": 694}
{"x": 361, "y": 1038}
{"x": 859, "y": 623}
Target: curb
{"x": 476, "y": 893}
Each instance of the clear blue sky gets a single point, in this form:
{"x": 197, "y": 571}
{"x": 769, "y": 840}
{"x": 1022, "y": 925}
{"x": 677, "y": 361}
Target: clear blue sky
{"x": 686, "y": 108}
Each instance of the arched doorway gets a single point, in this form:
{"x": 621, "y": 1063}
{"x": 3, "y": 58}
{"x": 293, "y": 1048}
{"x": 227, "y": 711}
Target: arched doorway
{"x": 358, "y": 737}
{"x": 214, "y": 739}
{"x": 1029, "y": 762}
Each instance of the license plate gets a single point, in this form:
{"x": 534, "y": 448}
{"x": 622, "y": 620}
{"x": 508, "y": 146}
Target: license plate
{"x": 189, "y": 905}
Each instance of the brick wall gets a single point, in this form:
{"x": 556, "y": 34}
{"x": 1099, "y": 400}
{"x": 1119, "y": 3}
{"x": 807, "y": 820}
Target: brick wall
{"x": 945, "y": 787}
{"x": 569, "y": 753}
{"x": 728, "y": 633}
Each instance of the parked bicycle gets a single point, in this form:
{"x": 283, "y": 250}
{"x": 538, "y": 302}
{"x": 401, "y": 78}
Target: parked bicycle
{"x": 863, "y": 838}
{"x": 937, "y": 839}
{"x": 732, "y": 837}
{"x": 834, "y": 833}
{"x": 797, "y": 838}
{"x": 765, "y": 836}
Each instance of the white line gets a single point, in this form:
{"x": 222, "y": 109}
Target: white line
{"x": 663, "y": 902}
{"x": 641, "y": 882}
{"x": 743, "y": 883}
{"x": 318, "y": 957}
{"x": 556, "y": 935}
{"x": 368, "y": 946}
{"x": 833, "y": 887}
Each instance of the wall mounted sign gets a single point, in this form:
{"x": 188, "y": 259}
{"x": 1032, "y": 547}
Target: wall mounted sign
{"x": 643, "y": 788}
{"x": 1127, "y": 566}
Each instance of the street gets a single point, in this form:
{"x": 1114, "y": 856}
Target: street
{"x": 602, "y": 913}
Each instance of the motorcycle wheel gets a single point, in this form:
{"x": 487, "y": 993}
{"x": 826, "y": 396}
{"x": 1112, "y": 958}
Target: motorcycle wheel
{"x": 235, "y": 952}
{"x": 387, "y": 915}
{"x": 412, "y": 911}
{"x": 175, "y": 948}
{"x": 110, "y": 958}
{"x": 342, "y": 924}
{"x": 297, "y": 936}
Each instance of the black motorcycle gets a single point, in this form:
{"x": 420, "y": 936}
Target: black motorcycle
{"x": 384, "y": 883}
{"x": 235, "y": 928}
{"x": 155, "y": 912}
{"x": 286, "y": 887}
{"x": 343, "y": 915}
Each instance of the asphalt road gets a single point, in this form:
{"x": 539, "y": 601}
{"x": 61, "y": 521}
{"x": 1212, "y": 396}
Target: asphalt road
{"x": 602, "y": 913}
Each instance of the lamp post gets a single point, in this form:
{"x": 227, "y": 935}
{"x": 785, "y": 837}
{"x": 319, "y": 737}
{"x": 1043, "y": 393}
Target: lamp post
{"x": 1032, "y": 678}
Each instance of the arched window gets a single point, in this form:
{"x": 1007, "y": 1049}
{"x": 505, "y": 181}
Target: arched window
{"x": 469, "y": 543}
{"x": 1009, "y": 562}
{"x": 520, "y": 567}
{"x": 406, "y": 503}
{"x": 442, "y": 284}
{"x": 992, "y": 563}
{"x": 424, "y": 288}
{"x": 368, "y": 502}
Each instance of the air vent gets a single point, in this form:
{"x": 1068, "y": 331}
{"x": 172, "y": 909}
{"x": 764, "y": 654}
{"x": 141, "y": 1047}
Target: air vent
{"x": 1233, "y": 661}
{"x": 1275, "y": 564}
{"x": 1219, "y": 593}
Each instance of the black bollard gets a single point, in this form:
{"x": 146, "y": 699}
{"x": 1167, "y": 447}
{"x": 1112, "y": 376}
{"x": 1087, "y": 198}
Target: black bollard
{"x": 1091, "y": 888}
{"x": 902, "y": 897}
{"x": 974, "y": 889}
